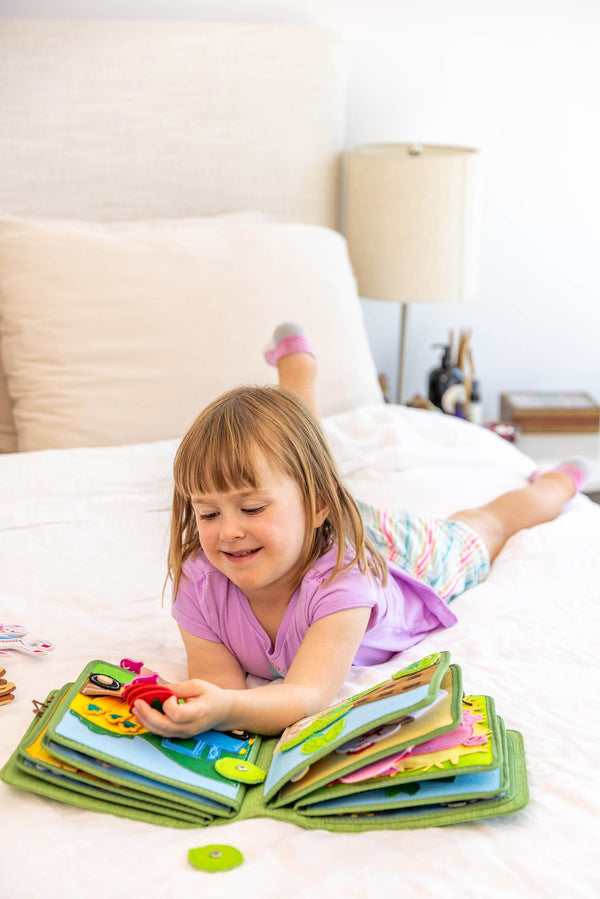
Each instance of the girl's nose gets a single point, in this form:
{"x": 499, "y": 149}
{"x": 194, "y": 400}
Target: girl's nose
{"x": 231, "y": 527}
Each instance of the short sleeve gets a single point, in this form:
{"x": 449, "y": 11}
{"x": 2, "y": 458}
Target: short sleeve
{"x": 351, "y": 590}
{"x": 188, "y": 610}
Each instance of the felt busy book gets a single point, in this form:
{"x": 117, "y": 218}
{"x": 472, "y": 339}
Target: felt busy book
{"x": 413, "y": 751}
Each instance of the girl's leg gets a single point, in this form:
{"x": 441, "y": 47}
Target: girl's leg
{"x": 537, "y": 503}
{"x": 496, "y": 521}
{"x": 295, "y": 360}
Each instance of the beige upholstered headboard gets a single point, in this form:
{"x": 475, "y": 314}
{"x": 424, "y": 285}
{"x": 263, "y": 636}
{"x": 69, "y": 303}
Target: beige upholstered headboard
{"x": 123, "y": 120}
{"x": 133, "y": 119}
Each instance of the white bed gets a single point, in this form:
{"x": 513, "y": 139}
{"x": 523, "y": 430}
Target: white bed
{"x": 83, "y": 524}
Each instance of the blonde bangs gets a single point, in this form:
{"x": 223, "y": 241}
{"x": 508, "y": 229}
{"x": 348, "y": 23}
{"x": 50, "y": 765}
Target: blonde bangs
{"x": 215, "y": 464}
{"x": 220, "y": 451}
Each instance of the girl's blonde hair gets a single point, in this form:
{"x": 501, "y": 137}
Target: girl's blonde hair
{"x": 219, "y": 452}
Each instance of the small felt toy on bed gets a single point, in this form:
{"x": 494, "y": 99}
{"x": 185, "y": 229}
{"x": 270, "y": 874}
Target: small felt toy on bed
{"x": 409, "y": 752}
{"x": 6, "y": 688}
{"x": 13, "y": 637}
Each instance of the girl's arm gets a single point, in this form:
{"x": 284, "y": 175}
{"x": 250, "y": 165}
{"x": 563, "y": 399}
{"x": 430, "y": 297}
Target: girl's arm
{"x": 212, "y": 662}
{"x": 314, "y": 679}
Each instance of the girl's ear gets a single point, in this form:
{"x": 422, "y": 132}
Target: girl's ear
{"x": 321, "y": 513}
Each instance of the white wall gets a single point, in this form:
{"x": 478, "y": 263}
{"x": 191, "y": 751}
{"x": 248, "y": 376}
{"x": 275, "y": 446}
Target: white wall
{"x": 519, "y": 80}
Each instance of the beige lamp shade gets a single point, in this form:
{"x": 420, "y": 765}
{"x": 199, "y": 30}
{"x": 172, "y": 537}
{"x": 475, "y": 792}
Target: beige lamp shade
{"x": 410, "y": 221}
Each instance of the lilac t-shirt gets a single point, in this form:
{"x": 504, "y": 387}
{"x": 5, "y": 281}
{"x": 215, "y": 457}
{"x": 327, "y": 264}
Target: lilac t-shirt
{"x": 209, "y": 605}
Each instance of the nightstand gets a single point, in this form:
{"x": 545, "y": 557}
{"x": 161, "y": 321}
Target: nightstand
{"x": 549, "y": 449}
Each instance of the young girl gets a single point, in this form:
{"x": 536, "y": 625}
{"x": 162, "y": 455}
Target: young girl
{"x": 278, "y": 572}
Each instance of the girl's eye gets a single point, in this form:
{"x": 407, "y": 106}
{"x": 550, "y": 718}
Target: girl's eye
{"x": 253, "y": 511}
{"x": 207, "y": 516}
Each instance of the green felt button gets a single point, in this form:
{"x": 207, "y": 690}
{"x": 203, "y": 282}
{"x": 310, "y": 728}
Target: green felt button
{"x": 238, "y": 769}
{"x": 215, "y": 858}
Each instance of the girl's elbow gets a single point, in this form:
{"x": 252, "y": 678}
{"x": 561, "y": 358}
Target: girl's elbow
{"x": 315, "y": 698}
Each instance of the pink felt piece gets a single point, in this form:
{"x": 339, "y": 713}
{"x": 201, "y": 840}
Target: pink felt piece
{"x": 146, "y": 679}
{"x": 130, "y": 665}
{"x": 463, "y": 735}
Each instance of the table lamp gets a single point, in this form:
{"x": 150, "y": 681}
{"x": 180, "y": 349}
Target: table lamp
{"x": 410, "y": 225}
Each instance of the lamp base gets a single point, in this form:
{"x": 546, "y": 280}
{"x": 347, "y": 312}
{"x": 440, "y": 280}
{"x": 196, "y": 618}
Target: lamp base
{"x": 400, "y": 399}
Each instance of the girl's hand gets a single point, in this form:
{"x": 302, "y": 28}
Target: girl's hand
{"x": 206, "y": 707}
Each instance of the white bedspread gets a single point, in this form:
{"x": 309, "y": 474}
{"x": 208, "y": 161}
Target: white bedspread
{"x": 82, "y": 562}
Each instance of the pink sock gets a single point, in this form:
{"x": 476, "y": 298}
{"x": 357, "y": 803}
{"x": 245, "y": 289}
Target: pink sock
{"x": 577, "y": 470}
{"x": 287, "y": 338}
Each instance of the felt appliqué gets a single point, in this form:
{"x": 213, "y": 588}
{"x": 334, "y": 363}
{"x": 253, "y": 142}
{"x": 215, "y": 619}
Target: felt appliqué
{"x": 217, "y": 857}
{"x": 6, "y": 689}
{"x": 109, "y": 713}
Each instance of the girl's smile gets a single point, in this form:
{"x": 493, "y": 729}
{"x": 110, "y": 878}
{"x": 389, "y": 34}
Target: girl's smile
{"x": 242, "y": 557}
{"x": 243, "y": 554}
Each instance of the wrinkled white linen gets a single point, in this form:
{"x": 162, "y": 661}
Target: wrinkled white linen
{"x": 83, "y": 537}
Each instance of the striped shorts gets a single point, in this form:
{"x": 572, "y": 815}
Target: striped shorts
{"x": 447, "y": 555}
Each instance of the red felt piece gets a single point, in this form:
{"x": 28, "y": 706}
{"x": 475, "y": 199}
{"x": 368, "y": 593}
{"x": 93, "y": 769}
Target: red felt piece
{"x": 148, "y": 692}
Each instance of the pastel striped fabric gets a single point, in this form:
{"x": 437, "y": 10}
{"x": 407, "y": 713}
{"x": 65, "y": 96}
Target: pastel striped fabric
{"x": 448, "y": 555}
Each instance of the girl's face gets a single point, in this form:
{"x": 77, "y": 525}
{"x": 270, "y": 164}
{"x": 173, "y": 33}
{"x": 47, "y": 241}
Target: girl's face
{"x": 256, "y": 536}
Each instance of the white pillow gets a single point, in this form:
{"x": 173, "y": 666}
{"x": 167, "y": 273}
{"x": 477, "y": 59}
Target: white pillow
{"x": 121, "y": 333}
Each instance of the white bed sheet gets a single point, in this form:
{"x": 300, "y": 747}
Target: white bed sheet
{"x": 82, "y": 554}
